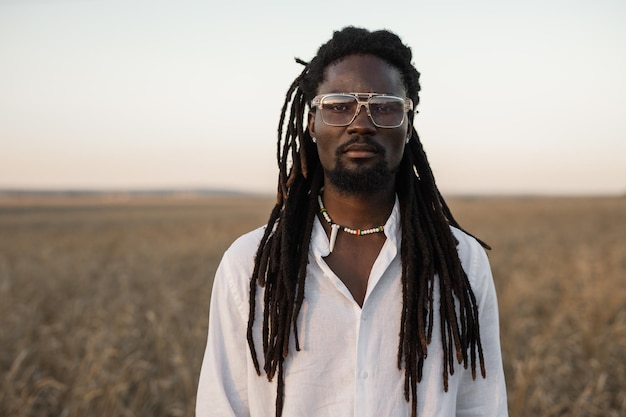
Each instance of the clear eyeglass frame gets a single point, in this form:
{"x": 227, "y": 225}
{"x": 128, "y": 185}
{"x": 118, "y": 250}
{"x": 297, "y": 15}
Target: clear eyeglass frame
{"x": 363, "y": 99}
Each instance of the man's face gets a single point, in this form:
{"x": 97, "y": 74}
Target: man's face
{"x": 360, "y": 157}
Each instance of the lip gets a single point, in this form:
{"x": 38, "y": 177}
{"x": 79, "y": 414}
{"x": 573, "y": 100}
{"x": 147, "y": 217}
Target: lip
{"x": 360, "y": 151}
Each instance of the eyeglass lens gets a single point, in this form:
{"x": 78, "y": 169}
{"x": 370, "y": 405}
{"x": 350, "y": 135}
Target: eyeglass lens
{"x": 340, "y": 110}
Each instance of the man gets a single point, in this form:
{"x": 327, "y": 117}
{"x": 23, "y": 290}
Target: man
{"x": 362, "y": 296}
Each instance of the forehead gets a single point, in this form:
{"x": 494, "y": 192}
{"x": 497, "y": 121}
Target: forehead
{"x": 362, "y": 73}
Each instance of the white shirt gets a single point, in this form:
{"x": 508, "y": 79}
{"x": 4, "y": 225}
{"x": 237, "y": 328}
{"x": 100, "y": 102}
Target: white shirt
{"x": 347, "y": 365}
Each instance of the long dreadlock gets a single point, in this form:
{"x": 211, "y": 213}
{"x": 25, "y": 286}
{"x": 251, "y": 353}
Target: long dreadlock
{"x": 427, "y": 248}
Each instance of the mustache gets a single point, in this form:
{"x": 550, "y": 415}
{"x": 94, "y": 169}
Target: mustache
{"x": 362, "y": 140}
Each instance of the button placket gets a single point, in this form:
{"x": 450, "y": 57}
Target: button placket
{"x": 363, "y": 363}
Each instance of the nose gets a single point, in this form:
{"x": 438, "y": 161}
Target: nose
{"x": 362, "y": 120}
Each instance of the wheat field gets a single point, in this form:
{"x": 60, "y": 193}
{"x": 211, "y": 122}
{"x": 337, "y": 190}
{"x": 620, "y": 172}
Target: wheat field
{"x": 104, "y": 301}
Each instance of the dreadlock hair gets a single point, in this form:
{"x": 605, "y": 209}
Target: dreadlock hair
{"x": 428, "y": 247}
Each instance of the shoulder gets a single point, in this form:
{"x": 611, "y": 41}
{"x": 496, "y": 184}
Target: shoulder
{"x": 473, "y": 258}
{"x": 246, "y": 244}
{"x": 239, "y": 257}
{"x": 232, "y": 278}
{"x": 466, "y": 243}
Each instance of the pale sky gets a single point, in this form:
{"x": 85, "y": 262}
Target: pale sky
{"x": 517, "y": 97}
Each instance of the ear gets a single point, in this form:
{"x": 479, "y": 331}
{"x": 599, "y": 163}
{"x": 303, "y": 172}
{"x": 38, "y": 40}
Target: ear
{"x": 312, "y": 123}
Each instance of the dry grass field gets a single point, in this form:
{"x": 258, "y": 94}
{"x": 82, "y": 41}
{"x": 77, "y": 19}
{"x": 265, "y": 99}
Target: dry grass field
{"x": 104, "y": 302}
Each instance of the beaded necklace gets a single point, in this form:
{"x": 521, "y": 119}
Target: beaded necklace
{"x": 334, "y": 227}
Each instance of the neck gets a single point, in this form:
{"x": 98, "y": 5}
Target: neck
{"x": 359, "y": 211}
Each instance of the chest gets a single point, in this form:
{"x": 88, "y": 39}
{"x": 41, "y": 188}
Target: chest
{"x": 352, "y": 261}
{"x": 347, "y": 364}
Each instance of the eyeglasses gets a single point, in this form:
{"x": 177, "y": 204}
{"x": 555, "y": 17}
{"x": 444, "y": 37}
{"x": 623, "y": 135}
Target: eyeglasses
{"x": 340, "y": 109}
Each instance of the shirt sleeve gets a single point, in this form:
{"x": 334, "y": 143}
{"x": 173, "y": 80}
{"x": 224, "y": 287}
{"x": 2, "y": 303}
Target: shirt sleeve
{"x": 222, "y": 388}
{"x": 484, "y": 397}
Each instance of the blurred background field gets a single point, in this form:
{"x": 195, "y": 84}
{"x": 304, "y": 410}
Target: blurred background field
{"x": 104, "y": 301}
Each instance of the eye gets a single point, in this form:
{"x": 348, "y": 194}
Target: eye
{"x": 381, "y": 108}
{"x": 337, "y": 107}
{"x": 386, "y": 106}
{"x": 338, "y": 104}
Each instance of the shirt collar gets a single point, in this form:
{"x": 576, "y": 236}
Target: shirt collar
{"x": 320, "y": 244}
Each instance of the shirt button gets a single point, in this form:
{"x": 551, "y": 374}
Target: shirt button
{"x": 364, "y": 317}
{"x": 363, "y": 375}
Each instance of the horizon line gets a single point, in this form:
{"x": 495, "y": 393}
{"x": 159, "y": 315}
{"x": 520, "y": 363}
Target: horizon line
{"x": 218, "y": 191}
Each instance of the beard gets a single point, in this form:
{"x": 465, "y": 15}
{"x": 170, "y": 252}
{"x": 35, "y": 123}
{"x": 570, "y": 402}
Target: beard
{"x": 362, "y": 179}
